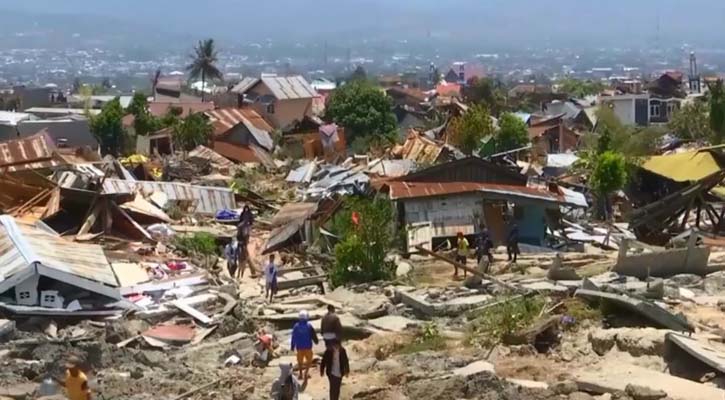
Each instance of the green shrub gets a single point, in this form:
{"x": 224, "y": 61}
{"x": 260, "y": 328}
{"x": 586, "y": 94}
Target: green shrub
{"x": 428, "y": 339}
{"x": 201, "y": 244}
{"x": 360, "y": 256}
{"x": 488, "y": 328}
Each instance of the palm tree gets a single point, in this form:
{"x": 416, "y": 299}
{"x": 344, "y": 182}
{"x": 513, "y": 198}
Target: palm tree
{"x": 202, "y": 63}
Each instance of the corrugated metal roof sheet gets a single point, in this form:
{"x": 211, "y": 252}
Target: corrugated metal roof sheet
{"x": 292, "y": 212}
{"x": 211, "y": 155}
{"x": 227, "y": 118}
{"x": 410, "y": 190}
{"x": 245, "y": 154}
{"x": 208, "y": 200}
{"x": 23, "y": 245}
{"x": 283, "y": 87}
{"x": 33, "y": 152}
{"x": 684, "y": 167}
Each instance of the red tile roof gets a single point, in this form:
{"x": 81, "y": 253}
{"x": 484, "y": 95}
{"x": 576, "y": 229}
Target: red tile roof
{"x": 411, "y": 190}
{"x": 448, "y": 89}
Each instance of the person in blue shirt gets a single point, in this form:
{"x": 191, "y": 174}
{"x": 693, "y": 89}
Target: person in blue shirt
{"x": 303, "y": 337}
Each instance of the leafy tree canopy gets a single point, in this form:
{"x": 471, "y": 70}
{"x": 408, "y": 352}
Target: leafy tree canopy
{"x": 108, "y": 127}
{"x": 609, "y": 174}
{"x": 486, "y": 92}
{"x": 691, "y": 122}
{"x": 513, "y": 133}
{"x": 143, "y": 123}
{"x": 580, "y": 88}
{"x": 363, "y": 110}
{"x": 468, "y": 130}
{"x": 192, "y": 131}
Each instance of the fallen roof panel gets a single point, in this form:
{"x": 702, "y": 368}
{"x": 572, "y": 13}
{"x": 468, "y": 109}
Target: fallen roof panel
{"x": 23, "y": 245}
{"x": 293, "y": 211}
{"x": 33, "y": 152}
{"x": 208, "y": 200}
{"x": 409, "y": 190}
{"x": 684, "y": 167}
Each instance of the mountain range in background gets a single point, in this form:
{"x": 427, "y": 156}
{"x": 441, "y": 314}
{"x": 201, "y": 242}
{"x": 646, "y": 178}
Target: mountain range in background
{"x": 476, "y": 24}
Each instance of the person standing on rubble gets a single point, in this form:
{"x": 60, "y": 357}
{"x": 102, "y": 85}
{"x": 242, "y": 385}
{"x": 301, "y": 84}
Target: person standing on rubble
{"x": 231, "y": 253}
{"x": 337, "y": 366}
{"x": 303, "y": 336}
{"x": 512, "y": 242}
{"x": 244, "y": 231}
{"x": 330, "y": 326}
{"x": 75, "y": 380}
{"x": 286, "y": 387}
{"x": 483, "y": 248}
{"x": 270, "y": 279}
{"x": 462, "y": 253}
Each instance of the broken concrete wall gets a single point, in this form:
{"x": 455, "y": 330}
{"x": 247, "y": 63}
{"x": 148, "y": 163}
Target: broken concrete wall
{"x": 663, "y": 264}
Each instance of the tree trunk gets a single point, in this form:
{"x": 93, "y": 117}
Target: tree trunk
{"x": 203, "y": 84}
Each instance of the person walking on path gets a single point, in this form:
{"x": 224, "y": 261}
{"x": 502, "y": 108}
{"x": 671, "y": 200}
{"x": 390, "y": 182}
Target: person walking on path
{"x": 483, "y": 248}
{"x": 303, "y": 337}
{"x": 512, "y": 242}
{"x": 336, "y": 364}
{"x": 270, "y": 279}
{"x": 331, "y": 327}
{"x": 462, "y": 253}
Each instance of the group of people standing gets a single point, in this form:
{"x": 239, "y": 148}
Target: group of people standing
{"x": 334, "y": 364}
{"x": 484, "y": 244}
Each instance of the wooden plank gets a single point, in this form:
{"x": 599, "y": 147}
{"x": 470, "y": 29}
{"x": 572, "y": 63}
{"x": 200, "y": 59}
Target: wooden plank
{"x": 198, "y": 315}
{"x": 53, "y": 205}
{"x": 90, "y": 220}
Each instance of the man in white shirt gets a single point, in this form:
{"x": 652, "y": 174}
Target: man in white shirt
{"x": 270, "y": 279}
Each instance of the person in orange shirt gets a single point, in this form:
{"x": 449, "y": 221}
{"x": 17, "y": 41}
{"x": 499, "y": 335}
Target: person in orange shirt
{"x": 75, "y": 382}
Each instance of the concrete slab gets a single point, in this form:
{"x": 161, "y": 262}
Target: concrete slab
{"x": 475, "y": 368}
{"x": 658, "y": 315}
{"x": 615, "y": 376}
{"x": 545, "y": 286}
{"x": 393, "y": 323}
{"x": 417, "y": 303}
{"x": 293, "y": 316}
{"x": 710, "y": 353}
{"x": 474, "y": 300}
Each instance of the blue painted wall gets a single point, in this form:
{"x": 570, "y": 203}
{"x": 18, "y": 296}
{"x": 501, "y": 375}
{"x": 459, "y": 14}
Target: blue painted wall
{"x": 532, "y": 224}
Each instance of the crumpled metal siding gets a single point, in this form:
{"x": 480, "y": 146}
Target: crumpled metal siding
{"x": 33, "y": 152}
{"x": 208, "y": 199}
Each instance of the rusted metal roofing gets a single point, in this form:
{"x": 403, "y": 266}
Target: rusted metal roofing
{"x": 292, "y": 212}
{"x": 208, "y": 199}
{"x": 23, "y": 247}
{"x": 282, "y": 87}
{"x": 33, "y": 152}
{"x": 245, "y": 154}
{"x": 225, "y": 119}
{"x": 206, "y": 153}
{"x": 411, "y": 190}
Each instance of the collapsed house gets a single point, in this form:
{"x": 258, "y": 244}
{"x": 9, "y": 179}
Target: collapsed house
{"x": 44, "y": 274}
{"x": 466, "y": 195}
{"x": 668, "y": 190}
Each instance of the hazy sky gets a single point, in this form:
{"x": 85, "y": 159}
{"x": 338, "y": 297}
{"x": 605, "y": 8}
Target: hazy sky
{"x": 490, "y": 22}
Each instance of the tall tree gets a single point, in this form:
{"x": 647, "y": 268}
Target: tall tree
{"x": 108, "y": 127}
{"x": 468, "y": 130}
{"x": 203, "y": 64}
{"x": 143, "y": 122}
{"x": 192, "y": 131}
{"x": 608, "y": 176}
{"x": 691, "y": 122}
{"x": 580, "y": 88}
{"x": 362, "y": 109}
{"x": 717, "y": 111}
{"x": 513, "y": 133}
{"x": 486, "y": 92}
